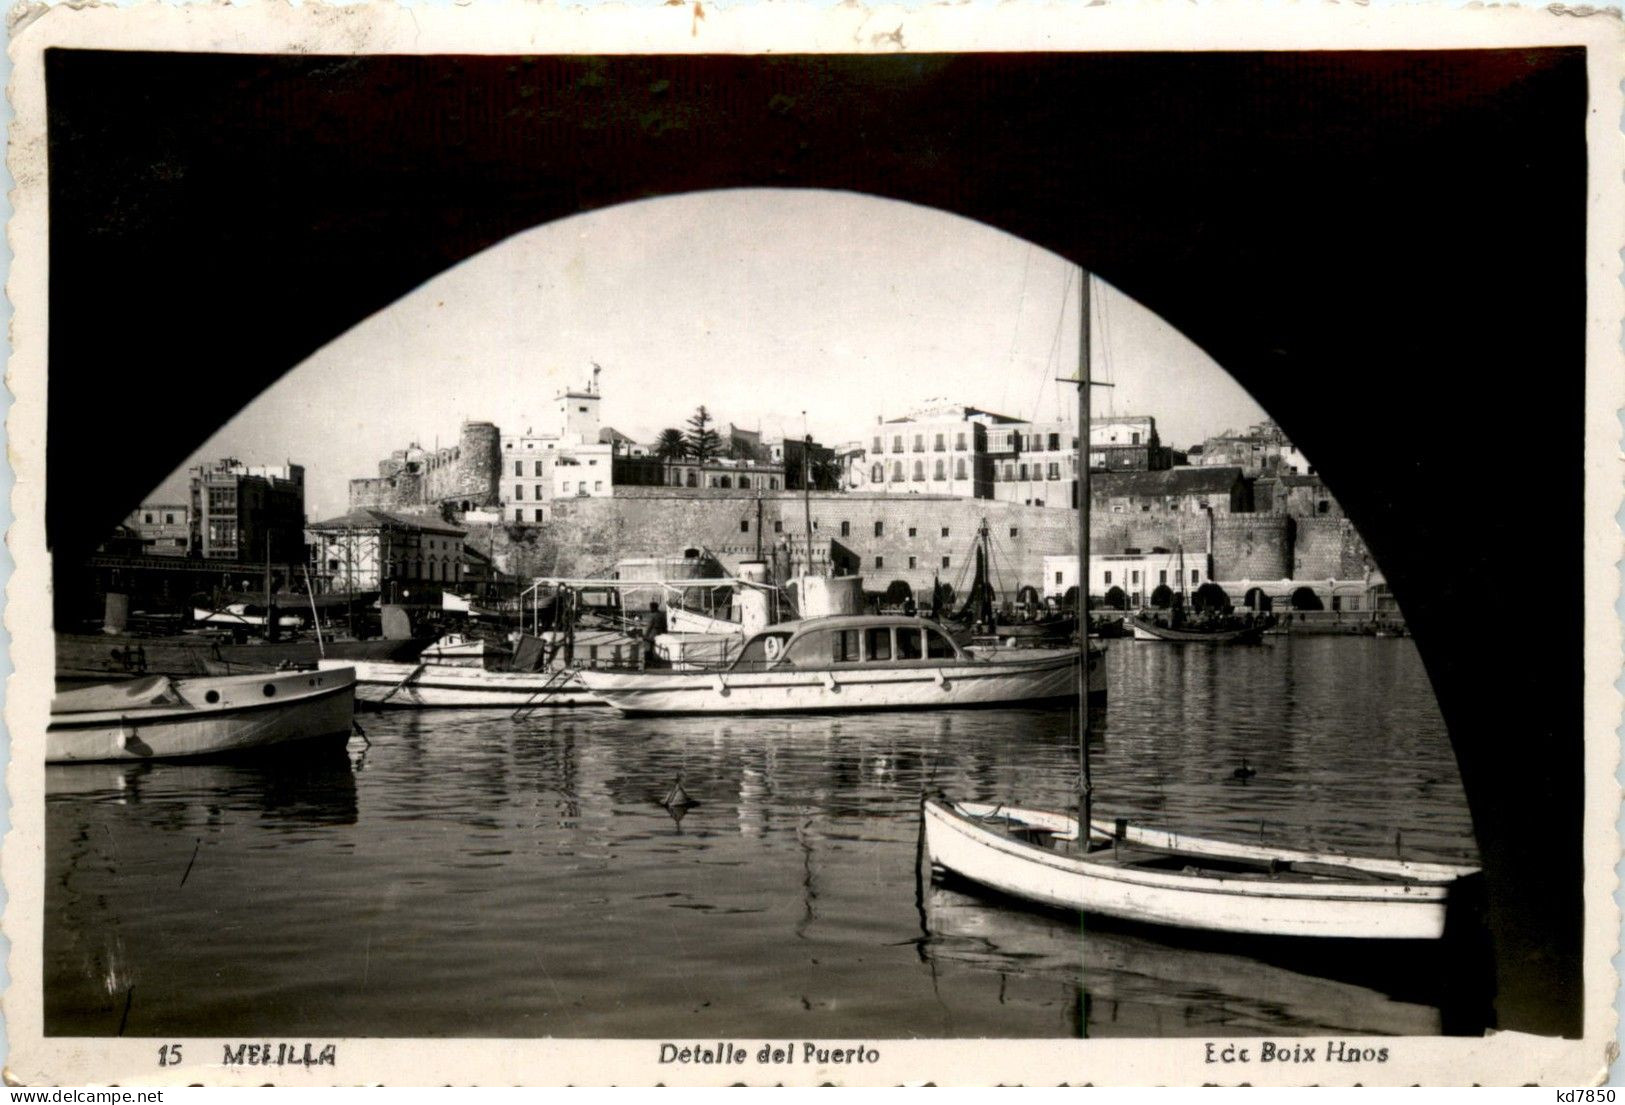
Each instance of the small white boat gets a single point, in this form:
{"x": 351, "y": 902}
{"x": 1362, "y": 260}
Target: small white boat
{"x": 1167, "y": 879}
{"x": 422, "y": 685}
{"x": 458, "y": 650}
{"x": 159, "y": 717}
{"x": 237, "y": 614}
{"x": 852, "y": 662}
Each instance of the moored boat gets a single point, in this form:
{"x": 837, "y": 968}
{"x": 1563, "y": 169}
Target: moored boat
{"x": 428, "y": 686}
{"x": 1227, "y": 632}
{"x": 852, "y": 662}
{"x": 159, "y": 717}
{"x": 1169, "y": 879}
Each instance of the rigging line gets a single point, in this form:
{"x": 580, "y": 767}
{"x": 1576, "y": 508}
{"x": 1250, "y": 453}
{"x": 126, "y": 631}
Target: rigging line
{"x": 1048, "y": 368}
{"x": 1015, "y": 331}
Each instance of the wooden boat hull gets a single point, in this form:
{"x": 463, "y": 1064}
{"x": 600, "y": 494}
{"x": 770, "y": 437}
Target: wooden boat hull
{"x": 437, "y": 686}
{"x": 101, "y": 657}
{"x": 247, "y": 714}
{"x": 1143, "y": 630}
{"x": 1037, "y": 676}
{"x": 1349, "y": 899}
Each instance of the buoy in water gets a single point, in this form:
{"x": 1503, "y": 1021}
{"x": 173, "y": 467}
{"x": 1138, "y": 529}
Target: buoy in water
{"x": 1243, "y": 772}
{"x": 677, "y": 798}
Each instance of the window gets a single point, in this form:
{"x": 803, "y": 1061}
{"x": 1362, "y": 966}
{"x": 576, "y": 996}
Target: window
{"x": 566, "y": 487}
{"x": 1009, "y": 471}
{"x": 693, "y": 478}
{"x": 538, "y": 513}
{"x": 959, "y": 468}
{"x": 912, "y": 531}
{"x": 744, "y": 483}
{"x": 938, "y": 647}
{"x": 1023, "y": 471}
{"x": 744, "y": 525}
{"x": 877, "y": 643}
{"x": 846, "y": 529}
{"x": 945, "y": 531}
{"x": 897, "y": 472}
{"x": 1054, "y": 442}
{"x": 169, "y": 519}
{"x": 877, "y": 474}
{"x": 941, "y": 471}
{"x": 778, "y": 526}
{"x": 880, "y": 562}
{"x": 597, "y": 485}
{"x": 773, "y": 483}
{"x": 1196, "y": 576}
{"x": 147, "y": 518}
{"x": 919, "y": 443}
{"x": 1162, "y": 576}
{"x": 995, "y": 473}
{"x": 591, "y": 463}
{"x": 519, "y": 491}
{"x": 1108, "y": 579}
{"x": 909, "y": 644}
{"x": 880, "y": 529}
{"x": 519, "y": 468}
{"x": 941, "y": 443}
{"x": 583, "y": 410}
{"x": 877, "y": 445}
{"x": 945, "y": 561}
{"x": 1322, "y": 507}
{"x": 1134, "y": 577}
{"x": 897, "y": 444}
{"x": 538, "y": 466}
{"x": 911, "y": 563}
{"x": 1054, "y": 471}
{"x": 1134, "y": 439}
{"x": 1057, "y": 579}
{"x": 959, "y": 441}
{"x": 919, "y": 471}
{"x": 844, "y": 646}
{"x": 518, "y": 515}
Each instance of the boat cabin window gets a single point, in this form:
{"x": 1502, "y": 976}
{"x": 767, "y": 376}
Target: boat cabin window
{"x": 909, "y": 646}
{"x": 877, "y": 643}
{"x": 763, "y": 649}
{"x": 809, "y": 649}
{"x": 845, "y": 646}
{"x": 938, "y": 647}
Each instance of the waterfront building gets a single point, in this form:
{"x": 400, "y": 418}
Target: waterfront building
{"x": 403, "y": 557}
{"x": 238, "y": 511}
{"x": 1130, "y": 579}
{"x": 1217, "y": 490}
{"x": 938, "y": 450}
{"x": 1263, "y": 450}
{"x": 159, "y": 529}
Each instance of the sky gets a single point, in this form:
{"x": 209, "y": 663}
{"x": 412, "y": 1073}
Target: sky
{"x": 788, "y": 311}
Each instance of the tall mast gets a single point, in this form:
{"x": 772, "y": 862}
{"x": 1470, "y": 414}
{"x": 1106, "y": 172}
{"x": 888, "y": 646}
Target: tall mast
{"x": 1086, "y": 786}
{"x": 806, "y": 492}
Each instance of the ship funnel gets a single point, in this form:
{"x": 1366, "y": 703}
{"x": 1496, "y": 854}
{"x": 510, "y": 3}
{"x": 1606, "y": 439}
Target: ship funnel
{"x": 754, "y": 608}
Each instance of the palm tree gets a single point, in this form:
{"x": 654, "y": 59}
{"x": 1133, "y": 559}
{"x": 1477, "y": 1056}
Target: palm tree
{"x": 672, "y": 445}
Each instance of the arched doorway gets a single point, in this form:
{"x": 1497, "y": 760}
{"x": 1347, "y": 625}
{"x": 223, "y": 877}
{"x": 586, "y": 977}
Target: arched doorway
{"x": 1162, "y": 597}
{"x": 1304, "y": 598}
{"x": 1257, "y": 600}
{"x": 1210, "y": 596}
{"x": 1116, "y": 598}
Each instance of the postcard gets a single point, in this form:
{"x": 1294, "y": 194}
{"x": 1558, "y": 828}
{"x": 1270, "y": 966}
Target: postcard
{"x": 774, "y": 545}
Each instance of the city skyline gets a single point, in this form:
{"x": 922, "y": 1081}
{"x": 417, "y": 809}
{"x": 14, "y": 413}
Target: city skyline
{"x": 876, "y": 307}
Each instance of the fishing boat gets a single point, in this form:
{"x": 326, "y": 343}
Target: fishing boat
{"x": 852, "y": 662}
{"x": 99, "y": 657}
{"x": 159, "y": 717}
{"x": 1227, "y": 632}
{"x": 242, "y": 614}
{"x": 451, "y": 686}
{"x": 1161, "y": 878}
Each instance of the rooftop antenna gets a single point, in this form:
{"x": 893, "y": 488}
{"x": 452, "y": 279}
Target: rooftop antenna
{"x": 596, "y": 369}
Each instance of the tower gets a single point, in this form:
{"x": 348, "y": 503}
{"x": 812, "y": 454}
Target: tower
{"x": 578, "y": 413}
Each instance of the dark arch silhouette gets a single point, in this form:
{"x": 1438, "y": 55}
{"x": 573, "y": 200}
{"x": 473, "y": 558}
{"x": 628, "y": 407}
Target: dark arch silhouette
{"x": 1305, "y": 598}
{"x": 266, "y": 236}
{"x": 1210, "y": 596}
{"x": 1257, "y": 600}
{"x": 1162, "y": 597}
{"x": 1116, "y": 598}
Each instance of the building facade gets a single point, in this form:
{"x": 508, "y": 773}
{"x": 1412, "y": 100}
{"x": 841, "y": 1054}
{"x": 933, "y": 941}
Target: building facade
{"x": 160, "y": 529}
{"x": 404, "y": 558}
{"x": 1172, "y": 491}
{"x": 246, "y": 512}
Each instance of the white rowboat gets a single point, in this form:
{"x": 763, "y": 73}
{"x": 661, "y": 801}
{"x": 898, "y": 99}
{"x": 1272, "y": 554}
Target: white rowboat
{"x": 159, "y": 717}
{"x": 1167, "y": 879}
{"x": 420, "y": 686}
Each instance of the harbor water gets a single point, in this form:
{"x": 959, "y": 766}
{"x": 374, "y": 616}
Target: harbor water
{"x": 466, "y": 874}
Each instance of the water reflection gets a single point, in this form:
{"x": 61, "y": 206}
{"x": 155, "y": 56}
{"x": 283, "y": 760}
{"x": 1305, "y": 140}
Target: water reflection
{"x": 463, "y": 873}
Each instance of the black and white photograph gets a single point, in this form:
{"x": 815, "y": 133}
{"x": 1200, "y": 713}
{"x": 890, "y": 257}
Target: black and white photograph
{"x": 851, "y": 550}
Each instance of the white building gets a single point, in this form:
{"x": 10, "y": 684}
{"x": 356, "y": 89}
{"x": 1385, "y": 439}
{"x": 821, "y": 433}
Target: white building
{"x": 566, "y": 461}
{"x": 1144, "y": 579}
